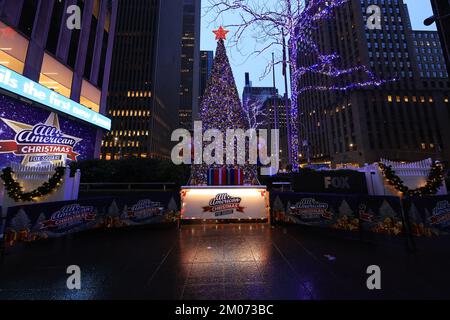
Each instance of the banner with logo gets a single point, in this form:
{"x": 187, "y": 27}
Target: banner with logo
{"x": 34, "y": 136}
{"x": 144, "y": 208}
{"x": 330, "y": 181}
{"x": 56, "y": 219}
{"x": 374, "y": 214}
{"x": 329, "y": 211}
{"x": 429, "y": 216}
{"x": 381, "y": 214}
{"x": 224, "y": 203}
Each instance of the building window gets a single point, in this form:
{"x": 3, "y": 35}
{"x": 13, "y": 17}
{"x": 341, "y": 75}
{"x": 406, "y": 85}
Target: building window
{"x": 56, "y": 76}
{"x": 28, "y": 15}
{"x": 13, "y": 49}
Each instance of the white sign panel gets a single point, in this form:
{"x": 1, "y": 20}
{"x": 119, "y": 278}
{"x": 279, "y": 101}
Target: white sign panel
{"x": 224, "y": 202}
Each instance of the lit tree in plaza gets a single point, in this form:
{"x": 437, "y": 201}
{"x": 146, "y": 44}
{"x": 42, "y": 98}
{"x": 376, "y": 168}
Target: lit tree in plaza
{"x": 221, "y": 109}
{"x": 272, "y": 22}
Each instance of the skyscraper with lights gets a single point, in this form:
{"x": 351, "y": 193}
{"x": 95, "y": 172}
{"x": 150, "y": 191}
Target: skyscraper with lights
{"x": 405, "y": 119}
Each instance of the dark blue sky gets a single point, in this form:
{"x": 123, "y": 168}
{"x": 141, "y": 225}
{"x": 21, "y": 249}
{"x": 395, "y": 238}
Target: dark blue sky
{"x": 419, "y": 10}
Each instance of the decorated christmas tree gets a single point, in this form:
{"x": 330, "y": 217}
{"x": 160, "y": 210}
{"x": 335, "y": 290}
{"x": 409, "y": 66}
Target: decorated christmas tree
{"x": 221, "y": 109}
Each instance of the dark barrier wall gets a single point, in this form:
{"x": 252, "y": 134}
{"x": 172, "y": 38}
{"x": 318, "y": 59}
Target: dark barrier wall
{"x": 336, "y": 181}
{"x": 48, "y": 220}
{"x": 344, "y": 212}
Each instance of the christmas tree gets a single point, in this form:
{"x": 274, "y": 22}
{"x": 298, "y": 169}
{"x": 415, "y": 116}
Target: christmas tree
{"x": 221, "y": 109}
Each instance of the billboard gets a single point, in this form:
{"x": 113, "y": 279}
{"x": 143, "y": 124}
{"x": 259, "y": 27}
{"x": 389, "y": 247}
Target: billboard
{"x": 224, "y": 203}
{"x": 34, "y": 136}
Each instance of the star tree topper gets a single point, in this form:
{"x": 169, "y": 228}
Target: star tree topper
{"x": 221, "y": 33}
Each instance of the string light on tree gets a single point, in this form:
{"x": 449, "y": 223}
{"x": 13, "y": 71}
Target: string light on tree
{"x": 297, "y": 22}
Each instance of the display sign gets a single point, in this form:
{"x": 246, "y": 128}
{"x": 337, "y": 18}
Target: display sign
{"x": 210, "y": 202}
{"x": 429, "y": 216}
{"x": 370, "y": 214}
{"x": 56, "y": 219}
{"x": 330, "y": 181}
{"x": 33, "y": 136}
{"x": 18, "y": 84}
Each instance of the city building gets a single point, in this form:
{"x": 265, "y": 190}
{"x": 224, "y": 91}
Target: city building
{"x": 145, "y": 78}
{"x": 256, "y": 93}
{"x": 441, "y": 9}
{"x": 270, "y": 101}
{"x": 405, "y": 119}
{"x": 190, "y": 64}
{"x": 206, "y": 62}
{"x": 429, "y": 53}
{"x": 56, "y": 73}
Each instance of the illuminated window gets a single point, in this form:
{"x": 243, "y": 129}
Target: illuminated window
{"x": 422, "y": 99}
{"x": 414, "y": 99}
{"x": 55, "y": 76}
{"x": 446, "y": 99}
{"x": 430, "y": 99}
{"x": 423, "y": 146}
{"x": 406, "y": 98}
{"x": 389, "y": 98}
{"x": 397, "y": 98}
{"x": 13, "y": 49}
{"x": 90, "y": 96}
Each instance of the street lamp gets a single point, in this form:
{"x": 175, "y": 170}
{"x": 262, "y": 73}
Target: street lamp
{"x": 430, "y": 20}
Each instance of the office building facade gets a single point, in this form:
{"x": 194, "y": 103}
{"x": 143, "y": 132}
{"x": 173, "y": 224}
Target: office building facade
{"x": 404, "y": 119}
{"x": 206, "y": 61}
{"x": 190, "y": 64}
{"x": 145, "y": 76}
{"x": 441, "y": 9}
{"x": 59, "y": 71}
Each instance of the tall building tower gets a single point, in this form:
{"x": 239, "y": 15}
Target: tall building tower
{"x": 257, "y": 93}
{"x": 441, "y": 9}
{"x": 190, "y": 63}
{"x": 405, "y": 119}
{"x": 58, "y": 67}
{"x": 206, "y": 61}
{"x": 144, "y": 88}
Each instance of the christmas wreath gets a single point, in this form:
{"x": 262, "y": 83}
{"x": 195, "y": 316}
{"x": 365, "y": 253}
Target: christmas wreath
{"x": 434, "y": 181}
{"x": 16, "y": 193}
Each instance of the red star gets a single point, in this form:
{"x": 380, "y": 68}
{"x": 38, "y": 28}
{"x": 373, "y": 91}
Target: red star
{"x": 221, "y": 33}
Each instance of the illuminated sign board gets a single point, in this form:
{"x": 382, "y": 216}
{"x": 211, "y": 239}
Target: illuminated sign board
{"x": 18, "y": 84}
{"x": 227, "y": 202}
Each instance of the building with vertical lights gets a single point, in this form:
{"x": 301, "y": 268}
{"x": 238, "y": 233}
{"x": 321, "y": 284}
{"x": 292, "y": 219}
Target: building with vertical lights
{"x": 53, "y": 74}
{"x": 405, "y": 119}
{"x": 190, "y": 63}
{"x": 145, "y": 77}
{"x": 441, "y": 9}
{"x": 206, "y": 61}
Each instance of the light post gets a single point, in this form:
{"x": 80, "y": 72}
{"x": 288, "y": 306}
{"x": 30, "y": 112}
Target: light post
{"x": 430, "y": 20}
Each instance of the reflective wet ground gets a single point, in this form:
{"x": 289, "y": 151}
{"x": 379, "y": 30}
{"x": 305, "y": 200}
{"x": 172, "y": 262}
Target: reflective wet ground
{"x": 246, "y": 261}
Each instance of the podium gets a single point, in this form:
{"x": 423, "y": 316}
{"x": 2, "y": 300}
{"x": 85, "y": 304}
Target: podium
{"x": 225, "y": 203}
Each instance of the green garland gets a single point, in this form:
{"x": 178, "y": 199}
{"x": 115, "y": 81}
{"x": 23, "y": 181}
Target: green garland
{"x": 16, "y": 193}
{"x": 432, "y": 186}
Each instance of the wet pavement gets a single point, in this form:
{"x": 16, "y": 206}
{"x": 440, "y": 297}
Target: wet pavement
{"x": 229, "y": 261}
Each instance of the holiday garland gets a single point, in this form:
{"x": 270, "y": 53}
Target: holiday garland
{"x": 16, "y": 193}
{"x": 434, "y": 181}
